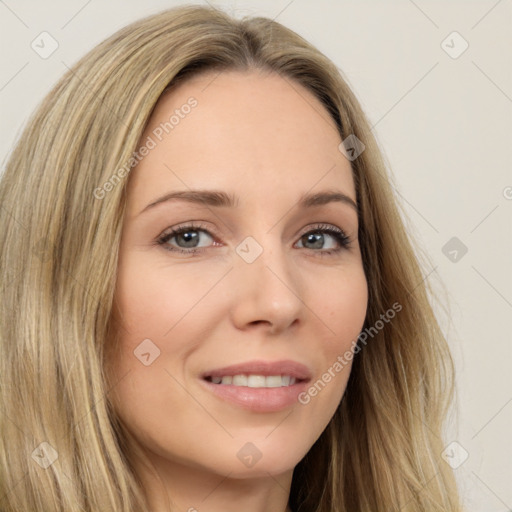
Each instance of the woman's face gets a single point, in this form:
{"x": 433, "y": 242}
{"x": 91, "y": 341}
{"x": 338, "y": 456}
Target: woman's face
{"x": 262, "y": 280}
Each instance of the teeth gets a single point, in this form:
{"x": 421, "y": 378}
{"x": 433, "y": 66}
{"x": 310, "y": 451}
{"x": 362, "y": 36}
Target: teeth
{"x": 256, "y": 381}
{"x": 239, "y": 380}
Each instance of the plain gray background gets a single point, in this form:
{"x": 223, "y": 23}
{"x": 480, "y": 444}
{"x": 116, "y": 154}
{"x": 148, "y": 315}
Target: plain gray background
{"x": 443, "y": 117}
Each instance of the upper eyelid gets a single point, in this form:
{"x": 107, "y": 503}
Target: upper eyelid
{"x": 190, "y": 227}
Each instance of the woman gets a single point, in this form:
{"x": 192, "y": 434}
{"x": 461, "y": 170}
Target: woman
{"x": 209, "y": 298}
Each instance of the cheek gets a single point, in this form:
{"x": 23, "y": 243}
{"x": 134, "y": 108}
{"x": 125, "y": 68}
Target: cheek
{"x": 154, "y": 312}
{"x": 159, "y": 317}
{"x": 345, "y": 305}
{"x": 341, "y": 304}
{"x": 154, "y": 298}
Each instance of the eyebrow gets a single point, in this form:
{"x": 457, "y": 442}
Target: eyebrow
{"x": 219, "y": 198}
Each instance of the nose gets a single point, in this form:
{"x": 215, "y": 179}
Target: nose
{"x": 267, "y": 292}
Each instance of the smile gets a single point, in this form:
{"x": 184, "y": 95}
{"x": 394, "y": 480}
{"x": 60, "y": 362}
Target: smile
{"x": 255, "y": 381}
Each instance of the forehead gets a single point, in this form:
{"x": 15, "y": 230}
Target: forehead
{"x": 255, "y": 132}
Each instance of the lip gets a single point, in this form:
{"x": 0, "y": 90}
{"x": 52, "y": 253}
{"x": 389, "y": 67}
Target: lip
{"x": 261, "y": 367}
{"x": 260, "y": 399}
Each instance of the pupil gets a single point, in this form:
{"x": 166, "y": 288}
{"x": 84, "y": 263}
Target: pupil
{"x": 189, "y": 237}
{"x": 317, "y": 239}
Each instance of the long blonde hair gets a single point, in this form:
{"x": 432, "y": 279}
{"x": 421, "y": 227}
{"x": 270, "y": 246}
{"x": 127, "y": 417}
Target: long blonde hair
{"x": 59, "y": 249}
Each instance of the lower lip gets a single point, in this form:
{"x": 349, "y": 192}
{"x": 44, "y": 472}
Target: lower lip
{"x": 258, "y": 399}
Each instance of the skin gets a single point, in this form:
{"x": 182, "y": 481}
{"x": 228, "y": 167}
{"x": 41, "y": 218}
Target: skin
{"x": 254, "y": 135}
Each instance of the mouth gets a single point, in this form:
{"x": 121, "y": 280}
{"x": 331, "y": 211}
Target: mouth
{"x": 255, "y": 381}
{"x": 256, "y": 393}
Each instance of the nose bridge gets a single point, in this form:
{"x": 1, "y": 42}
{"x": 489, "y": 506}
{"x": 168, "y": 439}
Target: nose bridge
{"x": 268, "y": 288}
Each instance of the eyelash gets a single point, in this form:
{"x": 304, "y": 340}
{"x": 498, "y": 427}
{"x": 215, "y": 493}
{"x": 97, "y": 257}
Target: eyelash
{"x": 343, "y": 240}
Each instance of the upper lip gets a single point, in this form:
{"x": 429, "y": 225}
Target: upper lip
{"x": 260, "y": 367}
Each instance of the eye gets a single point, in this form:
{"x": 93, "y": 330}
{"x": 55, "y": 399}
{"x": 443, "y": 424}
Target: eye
{"x": 316, "y": 239}
{"x": 186, "y": 239}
